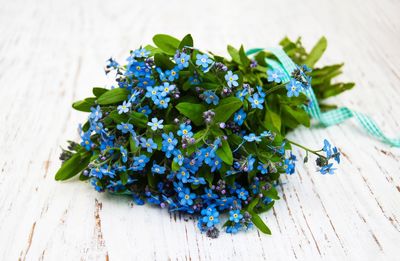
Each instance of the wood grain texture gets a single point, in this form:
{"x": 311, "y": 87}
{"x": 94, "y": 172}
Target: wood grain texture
{"x": 52, "y": 53}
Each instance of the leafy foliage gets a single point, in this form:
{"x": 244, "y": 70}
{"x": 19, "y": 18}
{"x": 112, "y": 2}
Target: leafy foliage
{"x": 199, "y": 133}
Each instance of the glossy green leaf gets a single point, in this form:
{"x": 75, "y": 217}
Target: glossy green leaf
{"x": 225, "y": 152}
{"x": 193, "y": 111}
{"x": 316, "y": 52}
{"x": 113, "y": 96}
{"x": 98, "y": 91}
{"x": 226, "y": 108}
{"x": 73, "y": 166}
{"x": 163, "y": 61}
{"x": 166, "y": 43}
{"x": 186, "y": 41}
{"x": 259, "y": 223}
{"x": 84, "y": 105}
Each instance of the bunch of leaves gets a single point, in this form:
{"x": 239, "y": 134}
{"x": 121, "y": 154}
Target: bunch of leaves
{"x": 196, "y": 132}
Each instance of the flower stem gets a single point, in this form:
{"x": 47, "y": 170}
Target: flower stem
{"x": 307, "y": 149}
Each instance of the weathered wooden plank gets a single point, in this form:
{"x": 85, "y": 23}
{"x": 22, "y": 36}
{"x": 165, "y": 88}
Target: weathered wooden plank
{"x": 52, "y": 53}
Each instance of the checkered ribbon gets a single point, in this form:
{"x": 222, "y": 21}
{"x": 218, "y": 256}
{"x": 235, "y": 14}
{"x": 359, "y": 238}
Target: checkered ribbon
{"x": 331, "y": 117}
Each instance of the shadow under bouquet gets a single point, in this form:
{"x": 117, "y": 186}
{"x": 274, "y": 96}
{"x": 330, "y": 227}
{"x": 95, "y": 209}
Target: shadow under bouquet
{"x": 194, "y": 132}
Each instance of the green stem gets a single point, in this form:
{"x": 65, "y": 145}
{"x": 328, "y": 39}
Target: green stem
{"x": 306, "y": 149}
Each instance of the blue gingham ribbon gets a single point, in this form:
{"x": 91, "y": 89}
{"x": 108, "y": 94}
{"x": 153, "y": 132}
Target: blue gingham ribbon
{"x": 332, "y": 117}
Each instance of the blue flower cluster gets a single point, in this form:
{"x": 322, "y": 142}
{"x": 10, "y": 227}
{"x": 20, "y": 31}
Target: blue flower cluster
{"x": 186, "y": 132}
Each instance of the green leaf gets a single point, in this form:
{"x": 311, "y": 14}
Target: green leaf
{"x": 113, "y": 96}
{"x": 132, "y": 145}
{"x": 259, "y": 223}
{"x": 118, "y": 118}
{"x": 234, "y": 54}
{"x": 138, "y": 119}
{"x": 245, "y": 61}
{"x": 272, "y": 121}
{"x": 271, "y": 193}
{"x": 193, "y": 111}
{"x": 166, "y": 43}
{"x": 252, "y": 204}
{"x": 298, "y": 115}
{"x": 124, "y": 177}
{"x": 316, "y": 52}
{"x": 73, "y": 166}
{"x": 186, "y": 41}
{"x": 98, "y": 91}
{"x": 84, "y": 105}
{"x": 163, "y": 61}
{"x": 226, "y": 108}
{"x": 175, "y": 166}
{"x": 225, "y": 152}
{"x": 153, "y": 50}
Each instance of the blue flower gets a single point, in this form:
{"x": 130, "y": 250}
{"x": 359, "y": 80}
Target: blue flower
{"x": 134, "y": 96}
{"x": 239, "y": 117}
{"x": 231, "y": 79}
{"x": 172, "y": 74}
{"x": 96, "y": 113}
{"x": 140, "y": 162}
{"x": 209, "y": 194}
{"x": 203, "y": 60}
{"x": 327, "y": 148}
{"x": 86, "y": 141}
{"x": 194, "y": 80}
{"x": 250, "y": 163}
{"x": 145, "y": 82}
{"x": 141, "y": 53}
{"x": 336, "y": 155}
{"x": 242, "y": 94}
{"x": 256, "y": 101}
{"x": 275, "y": 75}
{"x": 145, "y": 110}
{"x": 327, "y": 169}
{"x": 107, "y": 145}
{"x": 263, "y": 167}
{"x": 96, "y": 127}
{"x": 185, "y": 131}
{"x": 124, "y": 108}
{"x": 156, "y": 124}
{"x": 166, "y": 89}
{"x": 186, "y": 198}
{"x": 215, "y": 164}
{"x": 125, "y": 127}
{"x": 293, "y": 88}
{"x": 182, "y": 60}
{"x": 169, "y": 142}
{"x": 124, "y": 154}
{"x": 178, "y": 157}
{"x": 260, "y": 91}
{"x": 289, "y": 166}
{"x": 183, "y": 175}
{"x": 242, "y": 193}
{"x": 111, "y": 63}
{"x": 234, "y": 228}
{"x": 211, "y": 217}
{"x": 211, "y": 97}
{"x": 162, "y": 103}
{"x": 157, "y": 169}
{"x": 197, "y": 181}
{"x": 148, "y": 144}
{"x": 251, "y": 137}
{"x": 235, "y": 216}
{"x": 152, "y": 92}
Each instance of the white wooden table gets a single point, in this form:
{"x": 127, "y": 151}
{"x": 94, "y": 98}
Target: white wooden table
{"x": 52, "y": 53}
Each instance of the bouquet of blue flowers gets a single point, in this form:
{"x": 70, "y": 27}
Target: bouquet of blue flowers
{"x": 198, "y": 133}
